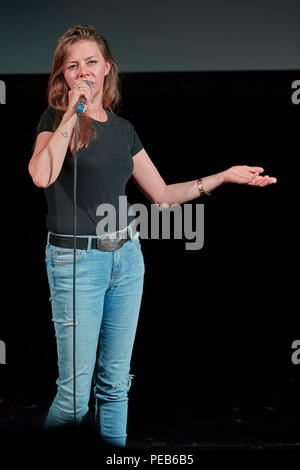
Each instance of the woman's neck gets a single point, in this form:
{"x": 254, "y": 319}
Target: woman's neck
{"x": 99, "y": 114}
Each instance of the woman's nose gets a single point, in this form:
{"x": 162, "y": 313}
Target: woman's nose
{"x": 82, "y": 69}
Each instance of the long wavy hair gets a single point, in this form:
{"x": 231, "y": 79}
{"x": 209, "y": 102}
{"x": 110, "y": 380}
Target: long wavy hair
{"x": 58, "y": 89}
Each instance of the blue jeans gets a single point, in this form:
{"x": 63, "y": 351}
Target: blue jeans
{"x": 109, "y": 287}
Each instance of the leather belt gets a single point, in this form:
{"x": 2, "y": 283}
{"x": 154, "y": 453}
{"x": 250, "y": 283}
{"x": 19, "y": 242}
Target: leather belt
{"x": 103, "y": 244}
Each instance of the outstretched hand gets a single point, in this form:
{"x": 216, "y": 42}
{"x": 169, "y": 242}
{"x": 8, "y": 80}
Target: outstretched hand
{"x": 250, "y": 175}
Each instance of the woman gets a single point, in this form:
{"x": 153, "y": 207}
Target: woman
{"x": 109, "y": 280}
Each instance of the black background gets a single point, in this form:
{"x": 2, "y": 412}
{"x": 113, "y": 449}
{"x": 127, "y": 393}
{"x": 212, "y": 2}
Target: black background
{"x": 212, "y": 356}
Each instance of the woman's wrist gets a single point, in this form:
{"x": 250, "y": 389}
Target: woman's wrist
{"x": 69, "y": 117}
{"x": 209, "y": 183}
{"x": 225, "y": 176}
{"x": 221, "y": 178}
{"x": 67, "y": 124}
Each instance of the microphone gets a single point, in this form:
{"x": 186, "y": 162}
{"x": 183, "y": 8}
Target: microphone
{"x": 82, "y": 100}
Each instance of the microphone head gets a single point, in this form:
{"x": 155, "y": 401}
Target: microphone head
{"x": 89, "y": 83}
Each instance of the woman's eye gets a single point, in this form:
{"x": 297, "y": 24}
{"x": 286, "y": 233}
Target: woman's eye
{"x": 89, "y": 62}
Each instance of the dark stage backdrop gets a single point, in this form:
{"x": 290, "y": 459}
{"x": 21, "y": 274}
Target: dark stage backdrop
{"x": 213, "y": 351}
{"x": 157, "y": 36}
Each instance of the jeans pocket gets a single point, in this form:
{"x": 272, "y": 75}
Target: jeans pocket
{"x": 63, "y": 256}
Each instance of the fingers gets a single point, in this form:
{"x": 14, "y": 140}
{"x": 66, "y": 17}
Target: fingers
{"x": 258, "y": 180}
{"x": 82, "y": 89}
{"x": 252, "y": 177}
{"x": 82, "y": 84}
{"x": 255, "y": 179}
{"x": 255, "y": 169}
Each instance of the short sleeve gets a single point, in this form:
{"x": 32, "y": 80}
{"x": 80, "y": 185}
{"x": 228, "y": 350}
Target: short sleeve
{"x": 46, "y": 122}
{"x": 135, "y": 142}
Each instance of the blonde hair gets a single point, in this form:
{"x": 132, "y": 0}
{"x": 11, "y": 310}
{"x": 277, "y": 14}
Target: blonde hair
{"x": 58, "y": 88}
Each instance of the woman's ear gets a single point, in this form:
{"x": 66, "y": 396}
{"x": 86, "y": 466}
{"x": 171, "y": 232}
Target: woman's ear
{"x": 107, "y": 67}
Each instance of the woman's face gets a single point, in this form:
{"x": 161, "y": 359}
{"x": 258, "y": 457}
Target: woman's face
{"x": 86, "y": 62}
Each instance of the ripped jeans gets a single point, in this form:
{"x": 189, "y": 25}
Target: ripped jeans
{"x": 109, "y": 288}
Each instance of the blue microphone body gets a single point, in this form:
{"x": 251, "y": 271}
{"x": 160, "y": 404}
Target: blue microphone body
{"x": 82, "y": 100}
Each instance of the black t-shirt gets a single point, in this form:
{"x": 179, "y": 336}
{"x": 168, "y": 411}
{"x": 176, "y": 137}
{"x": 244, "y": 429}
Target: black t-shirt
{"x": 103, "y": 170}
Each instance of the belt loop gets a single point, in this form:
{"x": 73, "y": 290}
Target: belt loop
{"x": 131, "y": 228}
{"x": 48, "y": 238}
{"x": 89, "y": 244}
{"x": 130, "y": 231}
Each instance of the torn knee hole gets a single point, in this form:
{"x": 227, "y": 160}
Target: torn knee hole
{"x": 70, "y": 323}
{"x": 129, "y": 381}
{"x": 130, "y": 378}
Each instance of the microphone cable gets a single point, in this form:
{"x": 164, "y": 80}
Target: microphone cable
{"x": 74, "y": 269}
{"x": 79, "y": 111}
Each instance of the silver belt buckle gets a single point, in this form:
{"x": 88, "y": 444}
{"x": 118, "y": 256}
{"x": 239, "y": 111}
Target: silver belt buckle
{"x": 110, "y": 242}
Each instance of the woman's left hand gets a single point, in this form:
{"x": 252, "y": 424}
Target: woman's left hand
{"x": 250, "y": 175}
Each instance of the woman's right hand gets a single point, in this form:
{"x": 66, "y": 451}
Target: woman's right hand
{"x": 80, "y": 88}
{"x": 244, "y": 174}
